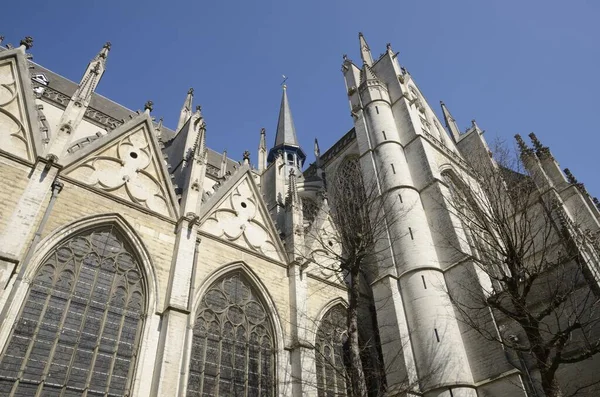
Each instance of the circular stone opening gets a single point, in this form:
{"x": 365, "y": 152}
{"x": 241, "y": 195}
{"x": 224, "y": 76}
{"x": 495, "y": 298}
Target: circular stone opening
{"x": 133, "y": 155}
{"x": 244, "y": 205}
{"x": 330, "y": 243}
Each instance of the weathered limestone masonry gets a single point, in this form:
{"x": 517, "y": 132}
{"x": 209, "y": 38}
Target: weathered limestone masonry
{"x": 135, "y": 261}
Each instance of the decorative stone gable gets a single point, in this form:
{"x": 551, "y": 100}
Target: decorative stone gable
{"x": 241, "y": 218}
{"x": 128, "y": 166}
{"x": 14, "y": 135}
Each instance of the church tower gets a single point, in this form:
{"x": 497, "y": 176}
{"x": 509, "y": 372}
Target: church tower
{"x": 393, "y": 126}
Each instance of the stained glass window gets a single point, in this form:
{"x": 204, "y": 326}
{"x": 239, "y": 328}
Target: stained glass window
{"x": 329, "y": 353}
{"x": 233, "y": 350}
{"x": 79, "y": 328}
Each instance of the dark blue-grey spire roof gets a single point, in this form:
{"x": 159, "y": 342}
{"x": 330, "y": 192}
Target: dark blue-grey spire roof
{"x": 286, "y": 132}
{"x": 285, "y": 137}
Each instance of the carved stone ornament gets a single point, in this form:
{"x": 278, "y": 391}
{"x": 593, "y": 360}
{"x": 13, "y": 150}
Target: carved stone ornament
{"x": 127, "y": 169}
{"x": 239, "y": 220}
{"x": 13, "y": 131}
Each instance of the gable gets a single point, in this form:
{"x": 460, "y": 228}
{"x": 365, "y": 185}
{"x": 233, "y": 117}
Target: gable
{"x": 17, "y": 107}
{"x": 126, "y": 163}
{"x": 239, "y": 215}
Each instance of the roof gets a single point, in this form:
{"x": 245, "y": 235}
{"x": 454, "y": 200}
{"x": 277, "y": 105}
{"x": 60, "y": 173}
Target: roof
{"x": 105, "y": 112}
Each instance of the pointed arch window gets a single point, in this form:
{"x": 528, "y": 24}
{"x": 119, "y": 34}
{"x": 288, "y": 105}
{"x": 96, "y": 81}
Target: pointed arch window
{"x": 329, "y": 353}
{"x": 79, "y": 327}
{"x": 233, "y": 348}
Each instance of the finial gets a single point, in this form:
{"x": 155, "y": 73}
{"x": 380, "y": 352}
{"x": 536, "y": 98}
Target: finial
{"x": 570, "y": 177}
{"x": 263, "y": 131}
{"x": 199, "y": 108}
{"x": 388, "y": 46}
{"x": 345, "y": 57}
{"x": 191, "y": 91}
{"x": 525, "y": 150}
{"x": 149, "y": 106}
{"x": 27, "y": 42}
{"x": 1, "y": 39}
{"x": 284, "y": 80}
{"x": 539, "y": 148}
{"x": 105, "y": 49}
{"x": 317, "y": 150}
{"x": 246, "y": 155}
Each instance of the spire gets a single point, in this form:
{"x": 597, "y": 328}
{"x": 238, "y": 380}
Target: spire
{"x": 317, "y": 155}
{"x": 262, "y": 151}
{"x": 78, "y": 105}
{"x": 292, "y": 199}
{"x": 286, "y": 131}
{"x": 523, "y": 148}
{"x": 450, "y": 123}
{"x": 367, "y": 74}
{"x": 285, "y": 137}
{"x": 540, "y": 149}
{"x": 92, "y": 76}
{"x": 223, "y": 168}
{"x": 186, "y": 110}
{"x": 365, "y": 51}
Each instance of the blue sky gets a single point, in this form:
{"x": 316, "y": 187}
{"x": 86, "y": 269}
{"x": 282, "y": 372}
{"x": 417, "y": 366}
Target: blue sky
{"x": 514, "y": 66}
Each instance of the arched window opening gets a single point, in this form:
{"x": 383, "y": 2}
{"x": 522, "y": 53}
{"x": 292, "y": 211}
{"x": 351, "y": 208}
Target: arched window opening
{"x": 233, "y": 347}
{"x": 79, "y": 327}
{"x": 310, "y": 210}
{"x": 290, "y": 159}
{"x": 329, "y": 353}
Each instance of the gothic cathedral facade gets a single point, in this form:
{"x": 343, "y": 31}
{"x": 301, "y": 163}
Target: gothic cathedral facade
{"x": 135, "y": 261}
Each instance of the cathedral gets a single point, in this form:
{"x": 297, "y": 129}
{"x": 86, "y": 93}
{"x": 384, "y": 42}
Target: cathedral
{"x": 136, "y": 261}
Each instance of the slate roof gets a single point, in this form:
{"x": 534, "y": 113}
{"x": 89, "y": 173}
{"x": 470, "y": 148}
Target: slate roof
{"x": 107, "y": 113}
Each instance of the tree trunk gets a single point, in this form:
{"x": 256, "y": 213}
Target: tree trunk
{"x": 357, "y": 374}
{"x": 550, "y": 385}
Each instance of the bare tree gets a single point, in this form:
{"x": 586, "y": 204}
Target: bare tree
{"x": 533, "y": 264}
{"x": 351, "y": 240}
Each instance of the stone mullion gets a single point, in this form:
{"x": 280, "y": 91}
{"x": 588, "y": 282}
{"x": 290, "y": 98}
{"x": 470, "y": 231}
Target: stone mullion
{"x": 220, "y": 355}
{"x": 201, "y": 388}
{"x": 101, "y": 330}
{"x": 247, "y": 371}
{"x": 35, "y": 333}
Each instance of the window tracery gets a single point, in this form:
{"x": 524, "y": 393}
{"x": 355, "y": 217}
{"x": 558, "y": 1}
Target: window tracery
{"x": 329, "y": 353}
{"x": 79, "y": 327}
{"x": 233, "y": 349}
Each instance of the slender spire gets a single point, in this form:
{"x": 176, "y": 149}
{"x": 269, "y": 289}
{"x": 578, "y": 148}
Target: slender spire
{"x": 540, "y": 149}
{"x": 292, "y": 199}
{"x": 286, "y": 131}
{"x": 285, "y": 137}
{"x": 262, "y": 151}
{"x": 223, "y": 168}
{"x": 523, "y": 148}
{"x": 450, "y": 122}
{"x": 317, "y": 149}
{"x": 186, "y": 109}
{"x": 78, "y": 105}
{"x": 92, "y": 76}
{"x": 365, "y": 51}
